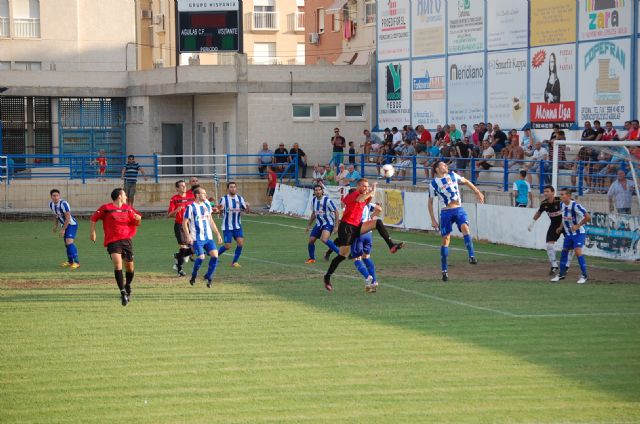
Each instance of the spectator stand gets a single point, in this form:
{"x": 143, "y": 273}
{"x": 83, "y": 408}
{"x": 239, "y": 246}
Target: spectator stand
{"x": 246, "y": 166}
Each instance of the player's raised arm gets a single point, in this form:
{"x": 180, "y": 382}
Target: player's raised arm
{"x": 477, "y": 192}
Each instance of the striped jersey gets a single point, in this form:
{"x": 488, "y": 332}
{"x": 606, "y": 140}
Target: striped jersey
{"x": 233, "y": 207}
{"x": 367, "y": 212}
{"x": 324, "y": 208}
{"x": 572, "y": 214}
{"x": 199, "y": 216}
{"x": 59, "y": 209}
{"x": 131, "y": 172}
{"x": 446, "y": 188}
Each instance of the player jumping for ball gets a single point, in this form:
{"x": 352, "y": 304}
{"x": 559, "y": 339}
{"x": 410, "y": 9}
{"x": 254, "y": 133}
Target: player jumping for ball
{"x": 445, "y": 187}
{"x": 326, "y": 215}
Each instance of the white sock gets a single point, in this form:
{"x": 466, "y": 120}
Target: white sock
{"x": 551, "y": 253}
{"x": 570, "y": 257}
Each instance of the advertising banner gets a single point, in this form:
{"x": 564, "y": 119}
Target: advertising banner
{"x": 428, "y": 91}
{"x": 605, "y": 18}
{"x": 553, "y": 86}
{"x": 393, "y": 29}
{"x": 465, "y": 25}
{"x": 553, "y": 22}
{"x": 427, "y": 28}
{"x": 613, "y": 236}
{"x": 507, "y": 24}
{"x": 465, "y": 88}
{"x": 604, "y": 78}
{"x": 507, "y": 88}
{"x": 393, "y": 208}
{"x": 393, "y": 94}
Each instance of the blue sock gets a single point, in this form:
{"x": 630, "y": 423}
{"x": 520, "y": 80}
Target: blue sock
{"x": 444, "y": 252}
{"x": 370, "y": 267}
{"x": 73, "y": 250}
{"x": 237, "y": 254}
{"x": 221, "y": 250}
{"x": 468, "y": 242}
{"x": 361, "y": 268}
{"x": 332, "y": 246}
{"x": 563, "y": 261}
{"x": 312, "y": 250}
{"x": 196, "y": 266}
{"x": 69, "y": 254}
{"x": 213, "y": 263}
{"x": 583, "y": 264}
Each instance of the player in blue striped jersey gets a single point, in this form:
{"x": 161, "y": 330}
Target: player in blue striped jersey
{"x": 444, "y": 186}
{"x": 232, "y": 206}
{"x": 574, "y": 218}
{"x": 199, "y": 227}
{"x": 361, "y": 250}
{"x": 69, "y": 227}
{"x": 326, "y": 216}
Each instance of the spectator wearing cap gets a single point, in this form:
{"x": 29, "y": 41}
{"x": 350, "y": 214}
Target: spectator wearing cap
{"x": 281, "y": 158}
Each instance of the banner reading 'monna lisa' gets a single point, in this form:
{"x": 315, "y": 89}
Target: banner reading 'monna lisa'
{"x": 553, "y": 86}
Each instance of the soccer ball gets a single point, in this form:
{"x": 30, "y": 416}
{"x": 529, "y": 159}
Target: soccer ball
{"x": 387, "y": 171}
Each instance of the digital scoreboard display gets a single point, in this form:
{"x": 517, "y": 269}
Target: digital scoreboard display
{"x": 209, "y": 25}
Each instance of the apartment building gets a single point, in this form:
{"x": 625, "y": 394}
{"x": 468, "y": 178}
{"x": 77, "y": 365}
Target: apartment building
{"x": 273, "y": 33}
{"x": 340, "y": 32}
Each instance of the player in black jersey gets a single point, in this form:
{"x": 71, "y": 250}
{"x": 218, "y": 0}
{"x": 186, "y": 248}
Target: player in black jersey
{"x": 551, "y": 205}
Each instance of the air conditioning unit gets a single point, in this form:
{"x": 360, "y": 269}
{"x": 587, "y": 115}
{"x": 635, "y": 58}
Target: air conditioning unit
{"x": 314, "y": 38}
{"x": 147, "y": 14}
{"x": 158, "y": 63}
{"x": 158, "y": 19}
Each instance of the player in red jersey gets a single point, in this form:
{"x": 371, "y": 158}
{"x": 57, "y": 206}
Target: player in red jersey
{"x": 177, "y": 206}
{"x": 101, "y": 160}
{"x": 120, "y": 223}
{"x": 351, "y": 226}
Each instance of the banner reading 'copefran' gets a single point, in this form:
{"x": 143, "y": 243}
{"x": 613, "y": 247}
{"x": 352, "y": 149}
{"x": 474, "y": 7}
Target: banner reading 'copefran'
{"x": 613, "y": 236}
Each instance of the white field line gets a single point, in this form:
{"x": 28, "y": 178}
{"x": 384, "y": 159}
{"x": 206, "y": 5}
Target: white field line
{"x": 434, "y": 246}
{"x": 446, "y": 300}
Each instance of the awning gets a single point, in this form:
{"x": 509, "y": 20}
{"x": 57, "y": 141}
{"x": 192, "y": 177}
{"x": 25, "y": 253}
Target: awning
{"x": 362, "y": 59}
{"x": 345, "y": 58}
{"x": 336, "y": 6}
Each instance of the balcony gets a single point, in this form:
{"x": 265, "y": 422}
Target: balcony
{"x": 26, "y": 27}
{"x": 264, "y": 21}
{"x": 295, "y": 22}
{"x": 4, "y": 26}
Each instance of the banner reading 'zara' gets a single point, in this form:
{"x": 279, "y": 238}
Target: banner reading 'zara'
{"x": 605, "y": 81}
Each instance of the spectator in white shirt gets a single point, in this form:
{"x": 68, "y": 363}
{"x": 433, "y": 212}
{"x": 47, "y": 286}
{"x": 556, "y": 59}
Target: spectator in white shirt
{"x": 620, "y": 192}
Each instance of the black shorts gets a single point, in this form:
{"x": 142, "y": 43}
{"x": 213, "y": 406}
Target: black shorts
{"x": 270, "y": 191}
{"x": 347, "y": 233}
{"x": 552, "y": 236}
{"x": 179, "y": 232}
{"x": 123, "y": 247}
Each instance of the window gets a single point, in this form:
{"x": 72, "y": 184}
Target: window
{"x": 370, "y": 12}
{"x": 300, "y": 54}
{"x": 264, "y": 53}
{"x": 4, "y": 18}
{"x": 328, "y": 111}
{"x": 320, "y": 23}
{"x": 5, "y": 66}
{"x": 303, "y": 112}
{"x": 354, "y": 112}
{"x": 335, "y": 23}
{"x": 26, "y": 18}
{"x": 27, "y": 66}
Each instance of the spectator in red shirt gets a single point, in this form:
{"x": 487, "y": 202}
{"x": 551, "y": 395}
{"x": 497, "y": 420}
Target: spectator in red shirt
{"x": 424, "y": 139}
{"x": 610, "y": 133}
{"x": 272, "y": 180}
{"x": 102, "y": 165}
{"x": 177, "y": 205}
{"x": 634, "y": 131}
{"x": 120, "y": 223}
{"x": 351, "y": 226}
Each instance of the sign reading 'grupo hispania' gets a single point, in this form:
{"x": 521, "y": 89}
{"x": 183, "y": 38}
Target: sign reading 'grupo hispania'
{"x": 209, "y": 26}
{"x": 605, "y": 81}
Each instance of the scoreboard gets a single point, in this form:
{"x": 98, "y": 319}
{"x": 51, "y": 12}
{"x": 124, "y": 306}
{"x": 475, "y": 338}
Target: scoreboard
{"x": 209, "y": 25}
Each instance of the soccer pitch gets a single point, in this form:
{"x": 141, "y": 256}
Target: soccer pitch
{"x": 497, "y": 343}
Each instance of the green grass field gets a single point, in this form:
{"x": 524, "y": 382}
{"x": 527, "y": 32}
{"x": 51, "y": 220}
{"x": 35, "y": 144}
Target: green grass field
{"x": 498, "y": 343}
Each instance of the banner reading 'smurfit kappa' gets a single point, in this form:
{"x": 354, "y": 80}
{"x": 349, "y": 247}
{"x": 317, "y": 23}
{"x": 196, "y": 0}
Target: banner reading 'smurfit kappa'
{"x": 553, "y": 86}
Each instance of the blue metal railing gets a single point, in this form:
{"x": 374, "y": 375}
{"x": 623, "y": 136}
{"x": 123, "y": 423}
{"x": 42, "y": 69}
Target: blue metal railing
{"x": 286, "y": 166}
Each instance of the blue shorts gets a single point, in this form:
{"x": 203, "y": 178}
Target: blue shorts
{"x": 228, "y": 235}
{"x": 71, "y": 231}
{"x": 203, "y": 247}
{"x": 318, "y": 229}
{"x": 450, "y": 216}
{"x": 362, "y": 245}
{"x": 574, "y": 242}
